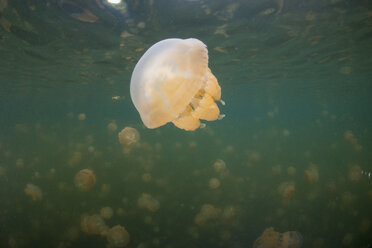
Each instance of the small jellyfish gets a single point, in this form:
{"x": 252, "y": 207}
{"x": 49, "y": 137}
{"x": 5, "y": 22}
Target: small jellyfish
{"x": 355, "y": 173}
{"x": 129, "y": 137}
{"x": 146, "y": 201}
{"x": 82, "y": 117}
{"x": 118, "y": 236}
{"x": 291, "y": 239}
{"x": 219, "y": 165}
{"x": 111, "y": 127}
{"x": 20, "y": 163}
{"x": 106, "y": 212}
{"x": 311, "y": 174}
{"x": 34, "y": 192}
{"x": 85, "y": 180}
{"x": 93, "y": 224}
{"x": 172, "y": 83}
{"x": 272, "y": 239}
{"x": 214, "y": 183}
{"x": 207, "y": 212}
{"x": 287, "y": 190}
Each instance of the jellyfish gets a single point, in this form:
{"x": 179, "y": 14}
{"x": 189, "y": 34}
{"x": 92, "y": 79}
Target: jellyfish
{"x": 172, "y": 83}
{"x": 207, "y": 212}
{"x": 219, "y": 165}
{"x": 93, "y": 224}
{"x": 129, "y": 137}
{"x": 118, "y": 236}
{"x": 34, "y": 192}
{"x": 214, "y": 183}
{"x": 85, "y": 180}
{"x": 311, "y": 174}
{"x": 106, "y": 212}
{"x": 272, "y": 239}
{"x": 355, "y": 173}
{"x": 287, "y": 190}
{"x": 146, "y": 201}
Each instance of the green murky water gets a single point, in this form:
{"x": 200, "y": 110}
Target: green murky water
{"x": 296, "y": 140}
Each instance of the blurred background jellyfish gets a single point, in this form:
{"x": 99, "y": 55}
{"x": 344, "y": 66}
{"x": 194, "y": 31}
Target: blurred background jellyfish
{"x": 118, "y": 236}
{"x": 172, "y": 83}
{"x": 207, "y": 212}
{"x": 287, "y": 190}
{"x": 272, "y": 239}
{"x": 355, "y": 173}
{"x": 93, "y": 224}
{"x": 146, "y": 201}
{"x": 311, "y": 174}
{"x": 214, "y": 183}
{"x": 106, "y": 212}
{"x": 129, "y": 137}
{"x": 85, "y": 180}
{"x": 34, "y": 192}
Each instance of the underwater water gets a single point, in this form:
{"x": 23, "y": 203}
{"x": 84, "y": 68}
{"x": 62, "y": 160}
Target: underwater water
{"x": 287, "y": 167}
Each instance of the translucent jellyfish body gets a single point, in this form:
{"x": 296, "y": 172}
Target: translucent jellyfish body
{"x": 118, "y": 236}
{"x": 272, "y": 239}
{"x": 34, "y": 192}
{"x": 93, "y": 224}
{"x": 172, "y": 83}
{"x": 85, "y": 180}
{"x": 129, "y": 137}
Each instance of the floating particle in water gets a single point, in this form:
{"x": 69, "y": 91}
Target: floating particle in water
{"x": 85, "y": 180}
{"x": 34, "y": 192}
{"x": 129, "y": 137}
{"x": 172, "y": 83}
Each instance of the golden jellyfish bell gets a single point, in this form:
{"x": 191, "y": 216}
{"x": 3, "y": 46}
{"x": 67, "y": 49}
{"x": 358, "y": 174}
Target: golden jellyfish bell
{"x": 273, "y": 239}
{"x": 118, "y": 236}
{"x": 85, "y": 180}
{"x": 93, "y": 224}
{"x": 172, "y": 83}
{"x": 34, "y": 192}
{"x": 291, "y": 239}
{"x": 129, "y": 137}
